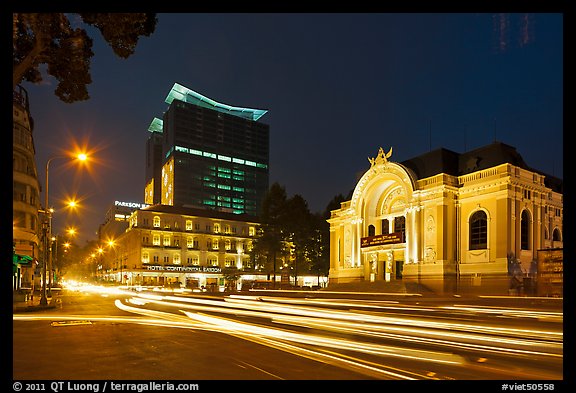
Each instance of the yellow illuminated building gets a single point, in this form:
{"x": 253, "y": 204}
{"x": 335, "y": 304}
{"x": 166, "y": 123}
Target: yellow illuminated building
{"x": 183, "y": 247}
{"x": 445, "y": 215}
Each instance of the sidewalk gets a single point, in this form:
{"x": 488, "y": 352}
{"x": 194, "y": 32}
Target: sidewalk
{"x": 32, "y": 303}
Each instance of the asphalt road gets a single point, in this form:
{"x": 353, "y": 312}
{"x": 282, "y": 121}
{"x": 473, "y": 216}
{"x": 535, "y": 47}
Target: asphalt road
{"x": 90, "y": 349}
{"x": 143, "y": 337}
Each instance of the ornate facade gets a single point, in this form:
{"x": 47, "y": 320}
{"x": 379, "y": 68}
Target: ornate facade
{"x": 445, "y": 214}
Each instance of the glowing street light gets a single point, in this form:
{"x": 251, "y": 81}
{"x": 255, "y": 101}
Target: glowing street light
{"x": 47, "y": 228}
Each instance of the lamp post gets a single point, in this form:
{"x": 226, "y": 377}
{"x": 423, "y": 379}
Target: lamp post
{"x": 81, "y": 157}
{"x": 43, "y": 298}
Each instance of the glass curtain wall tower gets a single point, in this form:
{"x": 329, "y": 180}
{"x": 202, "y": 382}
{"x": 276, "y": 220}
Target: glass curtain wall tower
{"x": 213, "y": 156}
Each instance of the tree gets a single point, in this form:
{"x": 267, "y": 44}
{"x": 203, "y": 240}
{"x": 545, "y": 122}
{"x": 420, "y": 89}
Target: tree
{"x": 271, "y": 236}
{"x": 49, "y": 38}
{"x": 299, "y": 231}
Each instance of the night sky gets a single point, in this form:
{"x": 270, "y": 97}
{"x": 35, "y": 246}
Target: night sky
{"x": 337, "y": 87}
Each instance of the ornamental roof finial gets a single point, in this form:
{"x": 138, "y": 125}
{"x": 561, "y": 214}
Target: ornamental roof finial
{"x": 381, "y": 158}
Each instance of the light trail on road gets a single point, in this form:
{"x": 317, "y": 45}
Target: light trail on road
{"x": 381, "y": 339}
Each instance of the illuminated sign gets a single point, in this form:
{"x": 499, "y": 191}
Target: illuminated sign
{"x": 193, "y": 269}
{"x": 132, "y": 205}
{"x": 378, "y": 240}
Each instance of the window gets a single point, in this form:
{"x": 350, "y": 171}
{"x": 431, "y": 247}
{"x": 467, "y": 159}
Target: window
{"x": 371, "y": 230}
{"x": 525, "y": 231}
{"x": 166, "y": 259}
{"x": 216, "y": 228}
{"x": 156, "y": 240}
{"x": 156, "y": 222}
{"x": 251, "y": 231}
{"x": 155, "y": 258}
{"x": 212, "y": 261}
{"x": 176, "y": 259}
{"x": 556, "y": 235}
{"x": 145, "y": 257}
{"x": 188, "y": 225}
{"x": 478, "y": 231}
{"x": 189, "y": 242}
{"x": 228, "y": 244}
{"x": 400, "y": 226}
{"x": 385, "y": 226}
{"x": 196, "y": 227}
{"x": 229, "y": 263}
{"x": 166, "y": 241}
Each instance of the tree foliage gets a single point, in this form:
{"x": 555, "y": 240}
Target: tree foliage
{"x": 290, "y": 231}
{"x": 50, "y": 39}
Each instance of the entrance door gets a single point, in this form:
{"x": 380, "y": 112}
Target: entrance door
{"x": 399, "y": 268}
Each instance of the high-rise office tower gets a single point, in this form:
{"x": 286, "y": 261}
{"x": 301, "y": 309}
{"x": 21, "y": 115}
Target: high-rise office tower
{"x": 213, "y": 155}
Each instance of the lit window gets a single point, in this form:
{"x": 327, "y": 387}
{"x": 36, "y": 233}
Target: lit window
{"x": 188, "y": 225}
{"x": 156, "y": 222}
{"x": 478, "y": 231}
{"x": 156, "y": 240}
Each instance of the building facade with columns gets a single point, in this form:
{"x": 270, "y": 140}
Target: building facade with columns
{"x": 443, "y": 215}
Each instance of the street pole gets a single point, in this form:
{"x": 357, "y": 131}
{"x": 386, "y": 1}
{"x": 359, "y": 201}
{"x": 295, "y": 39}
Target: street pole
{"x": 49, "y": 243}
{"x": 43, "y": 298}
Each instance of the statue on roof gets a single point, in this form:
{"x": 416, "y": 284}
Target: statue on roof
{"x": 381, "y": 158}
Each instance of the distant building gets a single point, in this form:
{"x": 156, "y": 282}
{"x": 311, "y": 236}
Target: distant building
{"x": 116, "y": 220}
{"x": 26, "y": 226}
{"x": 443, "y": 215}
{"x": 208, "y": 155}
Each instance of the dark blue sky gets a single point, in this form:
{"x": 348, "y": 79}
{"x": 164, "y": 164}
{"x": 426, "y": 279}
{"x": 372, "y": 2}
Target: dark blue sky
{"x": 337, "y": 87}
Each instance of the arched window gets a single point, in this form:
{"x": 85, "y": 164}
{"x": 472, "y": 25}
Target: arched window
{"x": 400, "y": 226}
{"x": 385, "y": 226}
{"x": 478, "y": 231}
{"x": 556, "y": 235}
{"x": 525, "y": 231}
{"x": 371, "y": 230}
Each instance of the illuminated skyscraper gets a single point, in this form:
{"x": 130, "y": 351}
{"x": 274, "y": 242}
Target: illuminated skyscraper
{"x": 213, "y": 155}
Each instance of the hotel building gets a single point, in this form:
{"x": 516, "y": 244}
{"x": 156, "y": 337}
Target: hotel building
{"x": 206, "y": 176}
{"x": 208, "y": 155}
{"x": 177, "y": 246}
{"x": 443, "y": 215}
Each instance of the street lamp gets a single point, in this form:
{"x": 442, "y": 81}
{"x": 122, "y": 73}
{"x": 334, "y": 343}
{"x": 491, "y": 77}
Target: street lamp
{"x": 48, "y": 253}
{"x": 43, "y": 299}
